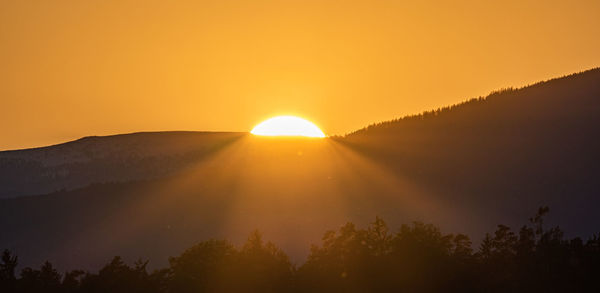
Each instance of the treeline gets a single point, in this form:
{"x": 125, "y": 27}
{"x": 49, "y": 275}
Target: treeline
{"x": 416, "y": 258}
{"x": 473, "y": 102}
{"x": 500, "y": 94}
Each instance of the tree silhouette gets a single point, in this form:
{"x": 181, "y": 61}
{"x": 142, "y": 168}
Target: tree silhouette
{"x": 7, "y": 271}
{"x": 46, "y": 279}
{"x": 202, "y": 268}
{"x": 416, "y": 258}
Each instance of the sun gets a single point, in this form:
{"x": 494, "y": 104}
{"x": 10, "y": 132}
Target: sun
{"x": 287, "y": 126}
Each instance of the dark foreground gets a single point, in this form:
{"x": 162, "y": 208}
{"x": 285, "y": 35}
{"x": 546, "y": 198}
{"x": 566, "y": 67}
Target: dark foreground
{"x": 417, "y": 258}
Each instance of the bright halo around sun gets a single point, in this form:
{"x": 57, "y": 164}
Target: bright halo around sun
{"x": 287, "y": 126}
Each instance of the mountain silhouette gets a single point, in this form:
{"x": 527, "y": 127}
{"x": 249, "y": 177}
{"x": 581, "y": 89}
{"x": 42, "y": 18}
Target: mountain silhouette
{"x": 466, "y": 168}
{"x": 96, "y": 159}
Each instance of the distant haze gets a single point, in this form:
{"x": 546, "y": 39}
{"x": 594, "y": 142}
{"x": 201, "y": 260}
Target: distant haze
{"x": 465, "y": 168}
{"x": 75, "y": 68}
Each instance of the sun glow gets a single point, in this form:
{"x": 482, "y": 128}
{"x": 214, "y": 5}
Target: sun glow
{"x": 287, "y": 126}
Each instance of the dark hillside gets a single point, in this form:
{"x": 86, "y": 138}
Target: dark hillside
{"x": 465, "y": 168}
{"x": 502, "y": 154}
{"x": 96, "y": 159}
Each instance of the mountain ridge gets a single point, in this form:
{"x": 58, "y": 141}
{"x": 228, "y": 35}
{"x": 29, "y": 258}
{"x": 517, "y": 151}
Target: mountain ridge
{"x": 492, "y": 94}
{"x": 466, "y": 169}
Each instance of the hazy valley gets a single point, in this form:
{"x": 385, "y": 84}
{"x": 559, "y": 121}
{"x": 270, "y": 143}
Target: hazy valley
{"x": 465, "y": 168}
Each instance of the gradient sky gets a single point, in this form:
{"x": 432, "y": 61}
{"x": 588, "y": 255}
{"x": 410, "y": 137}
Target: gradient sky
{"x": 75, "y": 68}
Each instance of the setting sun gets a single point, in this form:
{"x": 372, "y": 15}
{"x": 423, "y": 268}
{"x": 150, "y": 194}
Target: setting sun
{"x": 287, "y": 126}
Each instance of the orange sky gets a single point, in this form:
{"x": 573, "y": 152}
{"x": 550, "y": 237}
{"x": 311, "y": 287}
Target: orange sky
{"x": 75, "y": 68}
